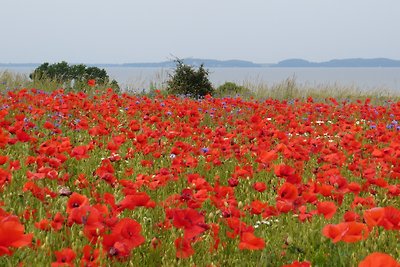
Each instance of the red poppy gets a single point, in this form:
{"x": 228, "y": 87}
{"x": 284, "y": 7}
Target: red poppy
{"x": 288, "y": 191}
{"x": 80, "y": 152}
{"x": 3, "y": 159}
{"x": 75, "y": 201}
{"x": 5, "y": 177}
{"x": 58, "y": 221}
{"x": 214, "y": 233}
{"x": 190, "y": 220}
{"x": 23, "y": 136}
{"x": 249, "y": 241}
{"x": 267, "y": 156}
{"x": 348, "y": 232}
{"x": 350, "y": 216}
{"x": 257, "y": 207}
{"x": 90, "y": 257}
{"x": 43, "y": 225}
{"x": 237, "y": 226}
{"x": 374, "y": 216}
{"x": 4, "y": 138}
{"x": 327, "y": 208}
{"x": 91, "y": 82}
{"x": 378, "y": 259}
{"x": 183, "y": 248}
{"x": 260, "y": 186}
{"x": 139, "y": 199}
{"x": 12, "y": 234}
{"x": 391, "y": 221}
{"x": 298, "y": 264}
{"x": 125, "y": 236}
{"x": 92, "y": 218}
{"x": 287, "y": 172}
{"x": 64, "y": 257}
{"x": 106, "y": 172}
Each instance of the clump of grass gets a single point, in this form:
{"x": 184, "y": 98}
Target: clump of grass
{"x": 290, "y": 89}
{"x": 10, "y": 80}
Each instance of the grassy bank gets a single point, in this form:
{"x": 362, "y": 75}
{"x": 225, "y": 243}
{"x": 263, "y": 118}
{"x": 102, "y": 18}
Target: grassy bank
{"x": 288, "y": 89}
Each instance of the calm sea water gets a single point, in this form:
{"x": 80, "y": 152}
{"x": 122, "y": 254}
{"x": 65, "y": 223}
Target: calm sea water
{"x": 360, "y": 78}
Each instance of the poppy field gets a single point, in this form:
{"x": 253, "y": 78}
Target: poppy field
{"x": 112, "y": 179}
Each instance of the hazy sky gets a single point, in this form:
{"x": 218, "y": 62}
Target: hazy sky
{"x": 262, "y": 31}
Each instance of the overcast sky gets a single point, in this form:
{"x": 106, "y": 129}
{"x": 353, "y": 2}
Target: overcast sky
{"x": 262, "y": 31}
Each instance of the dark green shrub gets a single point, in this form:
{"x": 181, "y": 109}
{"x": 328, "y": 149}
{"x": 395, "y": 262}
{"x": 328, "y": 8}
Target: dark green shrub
{"x": 188, "y": 81}
{"x": 72, "y": 76}
{"x": 230, "y": 89}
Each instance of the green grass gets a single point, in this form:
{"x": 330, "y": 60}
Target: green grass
{"x": 288, "y": 89}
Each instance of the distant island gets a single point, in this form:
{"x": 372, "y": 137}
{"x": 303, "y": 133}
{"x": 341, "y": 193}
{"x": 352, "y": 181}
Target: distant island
{"x": 213, "y": 63}
{"x": 209, "y": 63}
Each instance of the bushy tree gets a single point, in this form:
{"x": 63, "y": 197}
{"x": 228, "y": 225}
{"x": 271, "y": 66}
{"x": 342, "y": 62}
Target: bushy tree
{"x": 231, "y": 89}
{"x": 75, "y": 76}
{"x": 188, "y": 81}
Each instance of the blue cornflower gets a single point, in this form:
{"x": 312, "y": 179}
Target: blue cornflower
{"x": 204, "y": 149}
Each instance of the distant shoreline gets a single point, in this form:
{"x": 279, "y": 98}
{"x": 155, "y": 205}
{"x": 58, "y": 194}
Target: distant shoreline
{"x": 212, "y": 63}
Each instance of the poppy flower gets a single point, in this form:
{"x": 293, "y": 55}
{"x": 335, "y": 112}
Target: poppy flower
{"x": 125, "y": 236}
{"x": 288, "y": 191}
{"x": 23, "y": 136}
{"x": 348, "y": 232}
{"x": 43, "y": 225}
{"x": 80, "y": 152}
{"x": 214, "y": 233}
{"x": 183, "y": 248}
{"x": 12, "y": 235}
{"x": 190, "y": 220}
{"x": 260, "y": 186}
{"x": 378, "y": 259}
{"x": 257, "y": 207}
{"x": 249, "y": 241}
{"x": 391, "y": 220}
{"x": 3, "y": 159}
{"x": 106, "y": 172}
{"x": 298, "y": 264}
{"x": 75, "y": 201}
{"x": 327, "y": 208}
{"x": 79, "y": 215}
{"x": 350, "y": 216}
{"x": 287, "y": 172}
{"x": 90, "y": 257}
{"x": 5, "y": 177}
{"x": 4, "y": 138}
{"x": 91, "y": 82}
{"x": 374, "y": 216}
{"x": 92, "y": 218}
{"x": 267, "y": 156}
{"x": 64, "y": 257}
{"x": 237, "y": 226}
{"x": 58, "y": 221}
{"x": 233, "y": 182}
{"x": 139, "y": 199}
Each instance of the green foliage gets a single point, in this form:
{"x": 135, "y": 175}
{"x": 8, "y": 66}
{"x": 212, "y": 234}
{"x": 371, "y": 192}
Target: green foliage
{"x": 188, "y": 81}
{"x": 230, "y": 89}
{"x": 72, "y": 76}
